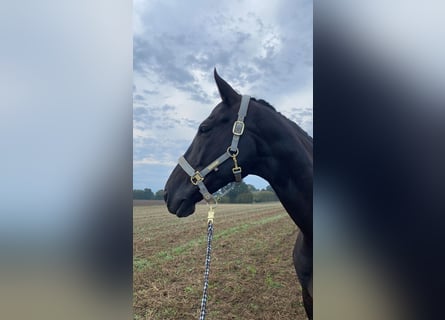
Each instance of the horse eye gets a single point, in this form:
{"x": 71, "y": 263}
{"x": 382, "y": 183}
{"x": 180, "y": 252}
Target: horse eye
{"x": 204, "y": 128}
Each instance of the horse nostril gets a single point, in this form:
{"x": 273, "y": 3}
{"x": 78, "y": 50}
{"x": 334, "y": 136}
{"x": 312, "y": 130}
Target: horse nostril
{"x": 165, "y": 195}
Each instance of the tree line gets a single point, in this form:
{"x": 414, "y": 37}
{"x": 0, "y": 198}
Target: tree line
{"x": 147, "y": 194}
{"x": 232, "y": 193}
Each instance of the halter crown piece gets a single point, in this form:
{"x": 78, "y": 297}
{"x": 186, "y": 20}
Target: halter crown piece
{"x": 197, "y": 177}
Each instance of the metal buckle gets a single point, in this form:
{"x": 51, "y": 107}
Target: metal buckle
{"x": 236, "y": 170}
{"x": 210, "y": 214}
{"x": 238, "y": 128}
{"x": 196, "y": 178}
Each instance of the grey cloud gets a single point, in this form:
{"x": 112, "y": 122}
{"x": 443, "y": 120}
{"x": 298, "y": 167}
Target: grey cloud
{"x": 170, "y": 55}
{"x": 139, "y": 111}
{"x": 201, "y": 97}
{"x": 303, "y": 112}
{"x": 159, "y": 55}
{"x": 303, "y": 116}
{"x": 196, "y": 92}
{"x": 146, "y": 91}
{"x": 220, "y": 40}
{"x": 191, "y": 123}
{"x": 164, "y": 125}
{"x": 149, "y": 117}
{"x": 138, "y": 97}
{"x": 167, "y": 107}
{"x": 241, "y": 37}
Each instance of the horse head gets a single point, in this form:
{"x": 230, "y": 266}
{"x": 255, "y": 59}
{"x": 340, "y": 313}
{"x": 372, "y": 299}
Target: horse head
{"x": 212, "y": 141}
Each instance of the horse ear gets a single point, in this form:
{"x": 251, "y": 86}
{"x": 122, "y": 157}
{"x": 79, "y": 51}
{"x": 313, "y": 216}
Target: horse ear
{"x": 228, "y": 95}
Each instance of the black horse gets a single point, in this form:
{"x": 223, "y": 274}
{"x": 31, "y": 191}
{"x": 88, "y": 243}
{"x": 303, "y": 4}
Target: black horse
{"x": 271, "y": 146}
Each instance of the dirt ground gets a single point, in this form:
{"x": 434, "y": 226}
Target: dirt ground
{"x": 251, "y": 273}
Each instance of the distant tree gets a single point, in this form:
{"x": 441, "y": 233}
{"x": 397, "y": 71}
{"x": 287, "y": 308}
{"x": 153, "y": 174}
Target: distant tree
{"x": 264, "y": 196}
{"x": 149, "y": 194}
{"x": 224, "y": 200}
{"x": 159, "y": 195}
{"x": 251, "y": 188}
{"x": 246, "y": 197}
{"x": 236, "y": 189}
{"x": 138, "y": 194}
{"x": 145, "y": 194}
{"x": 224, "y": 189}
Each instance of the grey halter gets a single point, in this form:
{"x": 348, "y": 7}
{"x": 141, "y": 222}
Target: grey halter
{"x": 197, "y": 177}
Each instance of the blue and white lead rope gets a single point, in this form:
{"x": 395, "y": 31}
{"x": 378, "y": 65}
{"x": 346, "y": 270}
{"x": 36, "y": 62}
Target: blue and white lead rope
{"x": 207, "y": 268}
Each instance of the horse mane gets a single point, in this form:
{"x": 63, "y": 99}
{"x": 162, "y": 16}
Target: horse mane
{"x": 301, "y": 132}
{"x": 263, "y": 102}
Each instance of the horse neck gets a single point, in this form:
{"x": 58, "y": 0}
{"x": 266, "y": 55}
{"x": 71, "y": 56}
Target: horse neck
{"x": 285, "y": 161}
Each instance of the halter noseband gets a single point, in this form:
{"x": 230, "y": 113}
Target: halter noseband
{"x": 197, "y": 177}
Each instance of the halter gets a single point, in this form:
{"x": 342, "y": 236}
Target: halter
{"x": 197, "y": 177}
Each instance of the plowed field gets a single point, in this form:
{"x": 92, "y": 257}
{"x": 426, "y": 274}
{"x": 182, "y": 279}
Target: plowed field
{"x": 251, "y": 273}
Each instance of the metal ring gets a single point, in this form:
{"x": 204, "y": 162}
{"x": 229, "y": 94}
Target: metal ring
{"x": 230, "y": 153}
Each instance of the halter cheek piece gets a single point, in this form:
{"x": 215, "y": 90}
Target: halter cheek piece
{"x": 197, "y": 177}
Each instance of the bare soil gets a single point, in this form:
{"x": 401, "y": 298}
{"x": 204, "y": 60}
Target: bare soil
{"x": 251, "y": 273}
{"x": 137, "y": 203}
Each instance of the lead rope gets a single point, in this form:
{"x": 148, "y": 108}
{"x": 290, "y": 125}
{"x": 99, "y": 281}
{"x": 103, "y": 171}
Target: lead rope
{"x": 210, "y": 217}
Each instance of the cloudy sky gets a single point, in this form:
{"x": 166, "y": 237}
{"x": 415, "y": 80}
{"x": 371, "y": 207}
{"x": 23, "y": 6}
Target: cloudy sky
{"x": 262, "y": 48}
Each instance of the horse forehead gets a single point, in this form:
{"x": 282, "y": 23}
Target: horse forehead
{"x": 220, "y": 112}
{"x": 218, "y": 109}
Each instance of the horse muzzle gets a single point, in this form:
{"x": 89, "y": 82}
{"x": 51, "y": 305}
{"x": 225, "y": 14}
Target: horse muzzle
{"x": 181, "y": 207}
